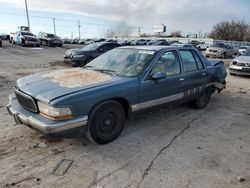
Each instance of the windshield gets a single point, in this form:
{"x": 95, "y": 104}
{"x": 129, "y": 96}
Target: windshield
{"x": 28, "y": 34}
{"x": 246, "y": 53}
{"x": 51, "y": 36}
{"x": 122, "y": 62}
{"x": 220, "y": 45}
{"x": 91, "y": 47}
{"x": 243, "y": 48}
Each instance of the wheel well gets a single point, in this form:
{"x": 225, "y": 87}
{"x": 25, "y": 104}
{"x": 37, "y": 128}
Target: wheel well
{"x": 125, "y": 105}
{"x": 123, "y": 102}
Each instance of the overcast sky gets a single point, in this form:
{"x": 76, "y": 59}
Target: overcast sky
{"x": 97, "y": 16}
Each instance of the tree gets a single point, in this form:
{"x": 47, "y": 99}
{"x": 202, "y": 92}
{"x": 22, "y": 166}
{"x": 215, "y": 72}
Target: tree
{"x": 231, "y": 30}
{"x": 175, "y": 34}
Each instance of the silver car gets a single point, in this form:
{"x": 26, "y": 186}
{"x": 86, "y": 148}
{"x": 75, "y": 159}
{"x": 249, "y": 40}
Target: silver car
{"x": 241, "y": 64}
{"x": 220, "y": 50}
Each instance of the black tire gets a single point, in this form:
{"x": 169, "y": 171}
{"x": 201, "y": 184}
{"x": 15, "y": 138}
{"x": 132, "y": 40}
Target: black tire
{"x": 223, "y": 56}
{"x": 232, "y": 74}
{"x": 106, "y": 122}
{"x": 202, "y": 101}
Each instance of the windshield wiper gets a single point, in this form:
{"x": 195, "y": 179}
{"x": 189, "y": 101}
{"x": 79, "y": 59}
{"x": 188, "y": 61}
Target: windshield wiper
{"x": 87, "y": 66}
{"x": 106, "y": 71}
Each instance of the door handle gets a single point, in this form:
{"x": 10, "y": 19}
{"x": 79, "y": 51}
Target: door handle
{"x": 181, "y": 79}
{"x": 203, "y": 74}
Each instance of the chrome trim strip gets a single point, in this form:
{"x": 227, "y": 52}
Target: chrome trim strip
{"x": 60, "y": 126}
{"x": 156, "y": 102}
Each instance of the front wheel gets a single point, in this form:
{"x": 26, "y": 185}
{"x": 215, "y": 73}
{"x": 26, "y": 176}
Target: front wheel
{"x": 106, "y": 122}
{"x": 202, "y": 100}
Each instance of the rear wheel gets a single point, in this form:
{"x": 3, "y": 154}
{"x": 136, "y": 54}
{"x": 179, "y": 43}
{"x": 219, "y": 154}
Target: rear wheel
{"x": 106, "y": 122}
{"x": 203, "y": 99}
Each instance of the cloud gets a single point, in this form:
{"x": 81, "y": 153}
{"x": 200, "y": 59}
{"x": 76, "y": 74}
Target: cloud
{"x": 184, "y": 15}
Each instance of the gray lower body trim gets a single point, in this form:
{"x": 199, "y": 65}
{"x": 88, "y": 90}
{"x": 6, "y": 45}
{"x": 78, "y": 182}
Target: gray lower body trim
{"x": 156, "y": 102}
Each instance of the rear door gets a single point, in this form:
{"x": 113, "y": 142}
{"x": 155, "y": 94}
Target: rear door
{"x": 195, "y": 75}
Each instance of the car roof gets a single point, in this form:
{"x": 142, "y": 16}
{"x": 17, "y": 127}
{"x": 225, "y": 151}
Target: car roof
{"x": 155, "y": 48}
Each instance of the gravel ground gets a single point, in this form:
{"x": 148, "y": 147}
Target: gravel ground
{"x": 171, "y": 147}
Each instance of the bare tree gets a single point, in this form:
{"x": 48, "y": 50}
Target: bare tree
{"x": 175, "y": 34}
{"x": 230, "y": 30}
{"x": 122, "y": 30}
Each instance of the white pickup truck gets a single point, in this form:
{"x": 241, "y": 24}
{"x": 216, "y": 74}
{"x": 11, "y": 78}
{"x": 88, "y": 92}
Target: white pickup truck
{"x": 24, "y": 37}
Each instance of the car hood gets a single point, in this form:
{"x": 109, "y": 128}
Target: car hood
{"x": 70, "y": 51}
{"x": 216, "y": 48}
{"x": 243, "y": 59}
{"x": 48, "y": 86}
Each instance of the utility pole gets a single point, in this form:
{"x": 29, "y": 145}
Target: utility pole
{"x": 79, "y": 29}
{"x": 139, "y": 31}
{"x": 27, "y": 14}
{"x": 54, "y": 24}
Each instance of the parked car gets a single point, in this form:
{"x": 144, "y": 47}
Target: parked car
{"x": 153, "y": 41}
{"x": 194, "y": 43}
{"x": 241, "y": 64}
{"x": 88, "y": 41}
{"x": 75, "y": 41}
{"x": 66, "y": 41}
{"x": 49, "y": 39}
{"x": 99, "y": 40}
{"x": 202, "y": 46}
{"x": 124, "y": 42}
{"x": 221, "y": 50}
{"x": 111, "y": 40}
{"x": 80, "y": 57}
{"x": 242, "y": 49}
{"x": 24, "y": 38}
{"x": 97, "y": 99}
{"x": 139, "y": 42}
{"x": 161, "y": 42}
{"x": 1, "y": 43}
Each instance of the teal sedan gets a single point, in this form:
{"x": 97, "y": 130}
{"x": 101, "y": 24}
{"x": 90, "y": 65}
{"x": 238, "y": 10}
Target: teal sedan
{"x": 96, "y": 99}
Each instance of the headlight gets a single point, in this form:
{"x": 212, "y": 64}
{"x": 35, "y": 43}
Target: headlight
{"x": 234, "y": 62}
{"x": 55, "y": 113}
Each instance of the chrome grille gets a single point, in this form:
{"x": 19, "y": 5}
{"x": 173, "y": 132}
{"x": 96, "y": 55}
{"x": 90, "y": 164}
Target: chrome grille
{"x": 243, "y": 64}
{"x": 32, "y": 39}
{"x": 25, "y": 101}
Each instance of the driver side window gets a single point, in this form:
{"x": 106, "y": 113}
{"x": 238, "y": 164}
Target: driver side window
{"x": 168, "y": 63}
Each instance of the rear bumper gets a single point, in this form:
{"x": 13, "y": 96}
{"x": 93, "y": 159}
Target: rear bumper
{"x": 42, "y": 124}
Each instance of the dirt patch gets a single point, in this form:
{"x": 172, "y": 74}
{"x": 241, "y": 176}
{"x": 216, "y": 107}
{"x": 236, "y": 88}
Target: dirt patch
{"x": 58, "y": 63}
{"x": 77, "y": 77}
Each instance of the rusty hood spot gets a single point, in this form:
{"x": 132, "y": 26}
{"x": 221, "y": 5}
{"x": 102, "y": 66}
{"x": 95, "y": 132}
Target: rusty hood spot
{"x": 77, "y": 77}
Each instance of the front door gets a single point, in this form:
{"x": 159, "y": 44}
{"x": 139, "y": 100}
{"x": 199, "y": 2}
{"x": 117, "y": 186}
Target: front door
{"x": 156, "y": 92}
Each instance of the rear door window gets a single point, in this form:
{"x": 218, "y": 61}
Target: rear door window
{"x": 198, "y": 60}
{"x": 188, "y": 60}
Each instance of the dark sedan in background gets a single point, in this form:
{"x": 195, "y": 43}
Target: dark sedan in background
{"x": 81, "y": 56}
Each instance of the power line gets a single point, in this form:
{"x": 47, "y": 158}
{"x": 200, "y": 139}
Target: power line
{"x": 71, "y": 20}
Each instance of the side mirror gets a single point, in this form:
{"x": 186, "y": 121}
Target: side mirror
{"x": 158, "y": 76}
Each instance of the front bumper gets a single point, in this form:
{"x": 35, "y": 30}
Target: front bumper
{"x": 214, "y": 54}
{"x": 31, "y": 43}
{"x": 234, "y": 69}
{"x": 43, "y": 124}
